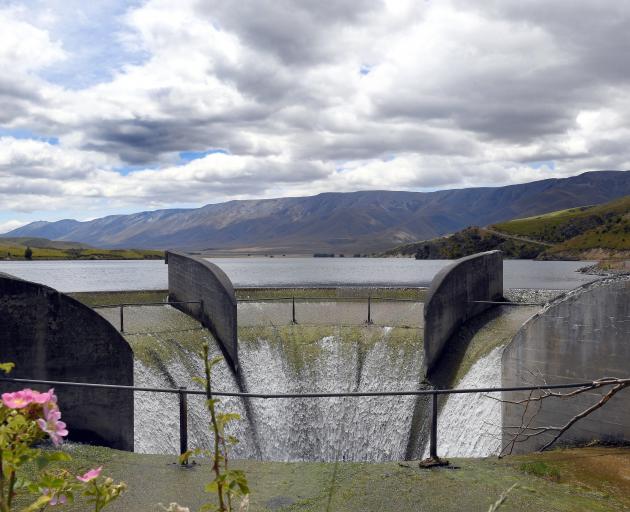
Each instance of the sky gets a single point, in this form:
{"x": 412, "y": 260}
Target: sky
{"x": 110, "y": 107}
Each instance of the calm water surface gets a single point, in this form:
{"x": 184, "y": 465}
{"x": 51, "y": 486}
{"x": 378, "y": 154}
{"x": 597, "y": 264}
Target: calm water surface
{"x": 75, "y": 276}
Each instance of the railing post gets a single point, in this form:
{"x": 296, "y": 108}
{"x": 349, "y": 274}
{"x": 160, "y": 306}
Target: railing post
{"x": 122, "y": 321}
{"x": 369, "y": 319}
{"x": 434, "y": 415}
{"x": 293, "y": 321}
{"x": 183, "y": 422}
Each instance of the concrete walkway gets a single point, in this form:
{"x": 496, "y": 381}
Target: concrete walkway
{"x": 577, "y": 480}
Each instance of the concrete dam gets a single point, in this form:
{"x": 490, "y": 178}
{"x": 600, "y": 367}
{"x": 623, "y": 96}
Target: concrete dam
{"x": 457, "y": 338}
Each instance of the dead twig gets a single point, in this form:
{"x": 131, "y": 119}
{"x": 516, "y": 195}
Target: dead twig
{"x": 525, "y": 431}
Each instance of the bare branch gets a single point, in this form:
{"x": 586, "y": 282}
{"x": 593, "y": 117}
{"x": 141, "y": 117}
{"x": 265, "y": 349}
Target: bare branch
{"x": 524, "y": 431}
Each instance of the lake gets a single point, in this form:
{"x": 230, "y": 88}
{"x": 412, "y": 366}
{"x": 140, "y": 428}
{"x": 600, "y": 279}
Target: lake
{"x": 77, "y": 276}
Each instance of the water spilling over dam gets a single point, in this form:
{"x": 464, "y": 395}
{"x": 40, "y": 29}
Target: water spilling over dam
{"x": 282, "y": 359}
{"x": 310, "y": 358}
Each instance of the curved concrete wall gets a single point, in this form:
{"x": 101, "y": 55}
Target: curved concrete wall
{"x": 192, "y": 279}
{"x": 450, "y": 299}
{"x": 581, "y": 336}
{"x": 51, "y": 336}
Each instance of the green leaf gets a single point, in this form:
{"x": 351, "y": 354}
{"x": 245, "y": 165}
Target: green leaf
{"x": 199, "y": 380}
{"x": 7, "y": 367}
{"x": 38, "y": 504}
{"x": 212, "y": 487}
{"x": 184, "y": 457}
{"x": 215, "y": 360}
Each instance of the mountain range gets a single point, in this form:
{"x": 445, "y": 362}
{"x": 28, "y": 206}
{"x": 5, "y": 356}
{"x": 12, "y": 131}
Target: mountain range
{"x": 595, "y": 232}
{"x": 354, "y": 222}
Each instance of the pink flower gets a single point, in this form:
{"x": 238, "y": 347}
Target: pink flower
{"x": 90, "y": 475}
{"x": 19, "y": 399}
{"x": 52, "y": 425}
{"x": 44, "y": 398}
{"x": 57, "y": 499}
{"x": 25, "y": 397}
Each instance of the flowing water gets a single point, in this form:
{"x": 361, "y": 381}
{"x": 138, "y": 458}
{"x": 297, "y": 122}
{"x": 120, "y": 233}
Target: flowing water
{"x": 325, "y": 358}
{"x": 280, "y": 359}
{"x": 469, "y": 425}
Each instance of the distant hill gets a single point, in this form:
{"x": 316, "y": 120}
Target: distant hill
{"x": 468, "y": 241}
{"x": 357, "y": 222}
{"x": 14, "y": 248}
{"x": 587, "y": 232}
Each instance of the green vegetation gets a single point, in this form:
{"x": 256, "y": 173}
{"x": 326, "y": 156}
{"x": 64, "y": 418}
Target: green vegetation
{"x": 145, "y": 296}
{"x": 541, "y": 469}
{"x": 476, "y": 339}
{"x": 418, "y": 294}
{"x": 578, "y": 232}
{"x": 466, "y": 242}
{"x": 588, "y": 480}
{"x": 43, "y": 249}
{"x": 588, "y": 232}
{"x": 301, "y": 344}
{"x": 126, "y": 297}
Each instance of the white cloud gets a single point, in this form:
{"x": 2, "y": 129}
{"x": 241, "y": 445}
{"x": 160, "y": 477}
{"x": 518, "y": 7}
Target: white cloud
{"x": 9, "y": 225}
{"x": 24, "y": 47}
{"x": 305, "y": 98}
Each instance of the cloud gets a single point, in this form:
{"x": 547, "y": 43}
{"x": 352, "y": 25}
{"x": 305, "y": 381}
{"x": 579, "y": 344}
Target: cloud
{"x": 10, "y": 225}
{"x": 302, "y": 97}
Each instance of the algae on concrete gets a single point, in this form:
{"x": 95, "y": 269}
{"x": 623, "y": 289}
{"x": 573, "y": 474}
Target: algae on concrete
{"x": 590, "y": 480}
{"x": 124, "y": 297}
{"x": 477, "y": 338}
{"x": 302, "y": 343}
{"x": 417, "y": 294}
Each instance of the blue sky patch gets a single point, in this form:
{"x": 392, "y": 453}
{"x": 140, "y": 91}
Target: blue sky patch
{"x": 189, "y": 156}
{"x": 28, "y": 134}
{"x": 543, "y": 163}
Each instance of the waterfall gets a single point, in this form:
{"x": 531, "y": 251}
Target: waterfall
{"x": 311, "y": 358}
{"x": 322, "y": 429}
{"x": 469, "y": 425}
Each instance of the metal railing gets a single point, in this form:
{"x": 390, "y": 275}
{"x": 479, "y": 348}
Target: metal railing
{"x": 130, "y": 304}
{"x": 183, "y": 392}
{"x": 293, "y": 300}
{"x": 369, "y": 300}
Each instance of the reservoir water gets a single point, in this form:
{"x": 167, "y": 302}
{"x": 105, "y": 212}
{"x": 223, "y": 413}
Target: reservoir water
{"x": 77, "y": 276}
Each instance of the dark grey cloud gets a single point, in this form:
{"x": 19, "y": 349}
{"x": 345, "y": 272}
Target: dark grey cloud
{"x": 299, "y": 33}
{"x": 17, "y": 98}
{"x": 377, "y": 140}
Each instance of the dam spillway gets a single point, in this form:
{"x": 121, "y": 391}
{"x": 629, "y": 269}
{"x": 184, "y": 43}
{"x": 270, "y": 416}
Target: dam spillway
{"x": 308, "y": 357}
{"x": 337, "y": 349}
{"x": 280, "y": 359}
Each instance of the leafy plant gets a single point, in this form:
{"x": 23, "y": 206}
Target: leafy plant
{"x": 228, "y": 484}
{"x": 27, "y": 417}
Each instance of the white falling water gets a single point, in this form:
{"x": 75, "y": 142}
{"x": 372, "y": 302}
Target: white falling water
{"x": 157, "y": 415}
{"x": 326, "y": 429}
{"x": 469, "y": 425}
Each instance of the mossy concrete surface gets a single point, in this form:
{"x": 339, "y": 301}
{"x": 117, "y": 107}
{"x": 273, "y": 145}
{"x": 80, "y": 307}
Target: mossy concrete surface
{"x": 593, "y": 479}
{"x": 143, "y": 296}
{"x": 302, "y": 343}
{"x": 416, "y": 294}
{"x": 125, "y": 297}
{"x": 476, "y": 339}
